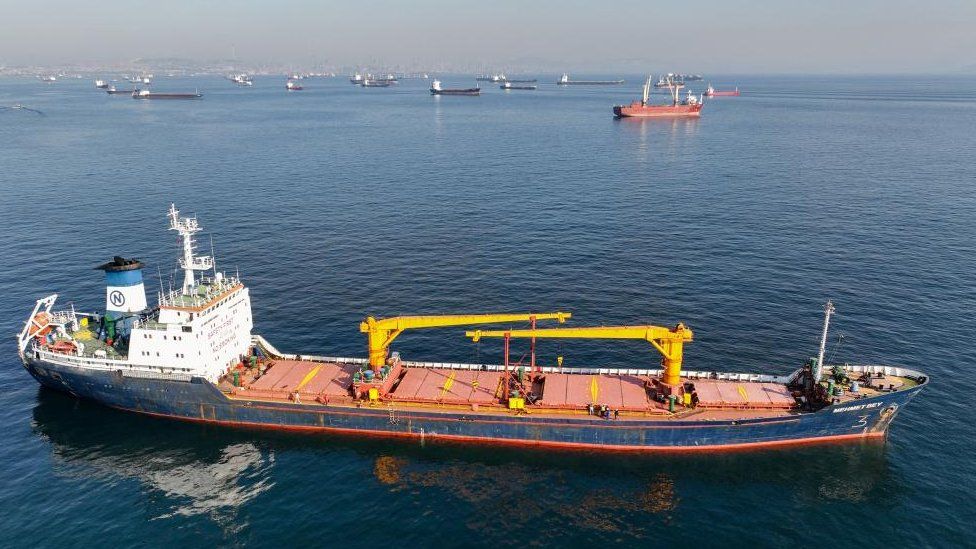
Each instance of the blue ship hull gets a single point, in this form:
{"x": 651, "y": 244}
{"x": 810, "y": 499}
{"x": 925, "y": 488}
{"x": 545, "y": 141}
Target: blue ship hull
{"x": 199, "y": 400}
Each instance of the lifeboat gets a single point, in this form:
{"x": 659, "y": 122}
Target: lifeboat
{"x": 40, "y": 325}
{"x": 64, "y": 347}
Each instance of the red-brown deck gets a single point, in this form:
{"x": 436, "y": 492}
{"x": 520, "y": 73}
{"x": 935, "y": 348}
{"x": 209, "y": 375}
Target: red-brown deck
{"x": 308, "y": 379}
{"x": 732, "y": 394}
{"x": 448, "y": 386}
{"x": 623, "y": 392}
{"x": 328, "y": 381}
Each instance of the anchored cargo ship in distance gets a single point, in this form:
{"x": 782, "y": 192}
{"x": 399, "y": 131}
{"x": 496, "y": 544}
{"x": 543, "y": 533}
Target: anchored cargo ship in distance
{"x": 490, "y": 78}
{"x": 437, "y": 89}
{"x": 112, "y": 90}
{"x": 690, "y": 107}
{"x": 565, "y": 81}
{"x": 146, "y": 94}
{"x": 712, "y": 92}
{"x": 368, "y": 82}
{"x": 193, "y": 356}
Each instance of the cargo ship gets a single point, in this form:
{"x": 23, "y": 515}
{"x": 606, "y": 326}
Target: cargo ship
{"x": 490, "y": 78}
{"x": 668, "y": 79}
{"x": 565, "y": 81}
{"x": 689, "y": 107}
{"x": 712, "y": 92}
{"x": 387, "y": 80}
{"x": 112, "y": 90}
{"x": 146, "y": 94}
{"x": 369, "y": 82}
{"x": 193, "y": 356}
{"x": 437, "y": 89}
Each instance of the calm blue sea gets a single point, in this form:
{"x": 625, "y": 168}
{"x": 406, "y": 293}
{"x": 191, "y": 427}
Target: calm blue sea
{"x": 337, "y": 202}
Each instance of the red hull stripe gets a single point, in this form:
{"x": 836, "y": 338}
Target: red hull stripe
{"x": 530, "y": 443}
{"x": 603, "y": 424}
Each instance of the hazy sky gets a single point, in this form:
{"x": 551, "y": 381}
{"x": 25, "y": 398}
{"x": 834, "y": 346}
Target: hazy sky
{"x": 702, "y": 36}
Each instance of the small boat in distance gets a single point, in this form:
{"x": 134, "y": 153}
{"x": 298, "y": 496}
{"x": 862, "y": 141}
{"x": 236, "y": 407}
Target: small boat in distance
{"x": 293, "y": 86}
{"x": 565, "y": 81}
{"x": 510, "y": 86}
{"x": 243, "y": 79}
{"x": 690, "y": 107}
{"x": 436, "y": 89}
{"x": 712, "y": 92}
{"x": 101, "y": 84}
{"x": 356, "y": 79}
{"x": 146, "y": 94}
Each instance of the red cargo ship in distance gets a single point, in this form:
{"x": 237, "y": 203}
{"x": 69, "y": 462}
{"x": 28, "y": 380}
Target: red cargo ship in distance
{"x": 690, "y": 107}
{"x": 712, "y": 92}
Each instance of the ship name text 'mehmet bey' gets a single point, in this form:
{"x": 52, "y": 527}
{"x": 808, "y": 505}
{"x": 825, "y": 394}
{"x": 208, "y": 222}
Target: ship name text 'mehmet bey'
{"x": 193, "y": 356}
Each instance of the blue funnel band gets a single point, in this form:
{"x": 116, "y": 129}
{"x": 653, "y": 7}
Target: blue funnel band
{"x": 123, "y": 278}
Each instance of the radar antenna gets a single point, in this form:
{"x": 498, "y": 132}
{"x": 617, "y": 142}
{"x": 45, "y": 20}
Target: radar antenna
{"x": 187, "y": 227}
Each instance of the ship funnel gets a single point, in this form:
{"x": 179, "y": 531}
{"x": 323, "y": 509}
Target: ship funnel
{"x": 124, "y": 290}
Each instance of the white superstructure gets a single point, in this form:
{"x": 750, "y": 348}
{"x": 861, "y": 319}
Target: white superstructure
{"x": 198, "y": 330}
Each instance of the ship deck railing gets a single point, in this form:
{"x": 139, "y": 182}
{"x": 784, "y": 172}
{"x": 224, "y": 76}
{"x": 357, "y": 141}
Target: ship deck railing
{"x": 692, "y": 374}
{"x": 652, "y": 372}
{"x": 113, "y": 364}
{"x": 201, "y": 294}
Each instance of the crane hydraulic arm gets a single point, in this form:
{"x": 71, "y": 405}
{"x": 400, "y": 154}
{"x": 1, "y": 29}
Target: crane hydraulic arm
{"x": 668, "y": 341}
{"x": 381, "y": 333}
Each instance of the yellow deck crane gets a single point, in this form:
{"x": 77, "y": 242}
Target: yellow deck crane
{"x": 668, "y": 341}
{"x": 381, "y": 333}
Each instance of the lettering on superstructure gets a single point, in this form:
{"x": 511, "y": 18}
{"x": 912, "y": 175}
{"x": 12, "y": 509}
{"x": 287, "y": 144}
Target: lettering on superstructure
{"x": 224, "y": 333}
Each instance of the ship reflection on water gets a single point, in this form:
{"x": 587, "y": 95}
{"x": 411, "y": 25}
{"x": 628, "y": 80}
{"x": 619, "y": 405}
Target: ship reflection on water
{"x": 660, "y": 135}
{"x": 194, "y": 475}
{"x": 188, "y": 469}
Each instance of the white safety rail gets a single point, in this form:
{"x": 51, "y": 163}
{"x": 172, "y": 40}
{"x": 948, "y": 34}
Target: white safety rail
{"x": 111, "y": 365}
{"x": 726, "y": 376}
{"x": 881, "y": 369}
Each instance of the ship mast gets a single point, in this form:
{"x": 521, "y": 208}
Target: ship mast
{"x": 828, "y": 310}
{"x": 647, "y": 90}
{"x": 187, "y": 227}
